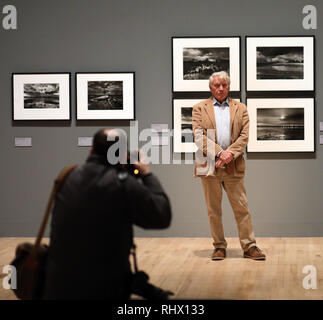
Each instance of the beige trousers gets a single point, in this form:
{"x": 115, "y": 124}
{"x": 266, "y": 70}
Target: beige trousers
{"x": 236, "y": 192}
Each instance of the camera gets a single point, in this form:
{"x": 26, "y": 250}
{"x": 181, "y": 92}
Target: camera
{"x": 129, "y": 167}
{"x": 131, "y": 158}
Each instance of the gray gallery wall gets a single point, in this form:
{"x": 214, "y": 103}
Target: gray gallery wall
{"x": 284, "y": 190}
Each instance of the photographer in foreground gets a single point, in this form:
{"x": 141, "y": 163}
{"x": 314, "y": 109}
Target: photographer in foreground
{"x": 91, "y": 229}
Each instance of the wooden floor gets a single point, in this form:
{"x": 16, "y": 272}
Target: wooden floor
{"x": 183, "y": 265}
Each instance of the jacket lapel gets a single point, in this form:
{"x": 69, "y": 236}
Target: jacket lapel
{"x": 210, "y": 111}
{"x": 233, "y": 110}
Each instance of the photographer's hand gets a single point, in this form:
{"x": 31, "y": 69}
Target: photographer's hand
{"x": 142, "y": 165}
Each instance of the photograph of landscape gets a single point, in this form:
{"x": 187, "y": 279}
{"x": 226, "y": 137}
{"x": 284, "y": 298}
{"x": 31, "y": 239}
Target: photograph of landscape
{"x": 280, "y": 123}
{"x": 284, "y": 63}
{"x": 105, "y": 95}
{"x": 186, "y": 124}
{"x": 200, "y": 63}
{"x": 41, "y": 95}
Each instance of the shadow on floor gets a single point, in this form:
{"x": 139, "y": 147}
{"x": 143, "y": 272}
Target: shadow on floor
{"x": 231, "y": 253}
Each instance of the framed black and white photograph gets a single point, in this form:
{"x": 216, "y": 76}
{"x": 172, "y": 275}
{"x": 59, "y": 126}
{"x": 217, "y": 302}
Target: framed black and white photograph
{"x": 195, "y": 59}
{"x": 105, "y": 96}
{"x": 281, "y": 125}
{"x": 280, "y": 63}
{"x": 44, "y": 96}
{"x": 182, "y": 124}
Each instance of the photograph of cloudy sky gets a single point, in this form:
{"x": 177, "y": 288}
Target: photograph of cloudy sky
{"x": 105, "y": 95}
{"x": 284, "y": 63}
{"x": 280, "y": 124}
{"x": 200, "y": 63}
{"x": 41, "y": 95}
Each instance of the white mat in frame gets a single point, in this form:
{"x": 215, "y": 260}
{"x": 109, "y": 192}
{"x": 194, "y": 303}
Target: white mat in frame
{"x": 281, "y": 125}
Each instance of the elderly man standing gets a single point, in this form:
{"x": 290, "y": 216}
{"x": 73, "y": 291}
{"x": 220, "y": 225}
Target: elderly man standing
{"x": 221, "y": 129}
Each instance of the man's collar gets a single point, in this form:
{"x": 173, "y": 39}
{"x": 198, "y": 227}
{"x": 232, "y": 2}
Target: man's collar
{"x": 224, "y": 103}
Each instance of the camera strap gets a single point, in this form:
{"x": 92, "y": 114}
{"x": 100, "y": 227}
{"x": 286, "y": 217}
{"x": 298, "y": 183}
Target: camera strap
{"x": 57, "y": 186}
{"x": 133, "y": 253}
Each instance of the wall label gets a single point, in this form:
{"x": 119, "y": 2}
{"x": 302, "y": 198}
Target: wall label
{"x": 84, "y": 141}
{"x": 23, "y": 142}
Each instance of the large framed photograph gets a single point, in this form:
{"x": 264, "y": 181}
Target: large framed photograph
{"x": 281, "y": 125}
{"x": 196, "y": 58}
{"x": 280, "y": 63}
{"x": 105, "y": 96}
{"x": 41, "y": 96}
{"x": 182, "y": 124}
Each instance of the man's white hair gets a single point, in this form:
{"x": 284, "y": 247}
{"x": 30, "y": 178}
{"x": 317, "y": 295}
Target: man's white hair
{"x": 221, "y": 75}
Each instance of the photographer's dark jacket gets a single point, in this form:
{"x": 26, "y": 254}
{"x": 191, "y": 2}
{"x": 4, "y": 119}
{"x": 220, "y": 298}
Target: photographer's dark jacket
{"x": 91, "y": 230}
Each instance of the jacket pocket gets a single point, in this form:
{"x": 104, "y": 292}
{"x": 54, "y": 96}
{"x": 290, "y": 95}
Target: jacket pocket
{"x": 240, "y": 164}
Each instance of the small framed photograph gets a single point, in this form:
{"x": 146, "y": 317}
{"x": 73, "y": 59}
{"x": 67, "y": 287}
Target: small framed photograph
{"x": 41, "y": 96}
{"x": 280, "y": 63}
{"x": 196, "y": 58}
{"x": 105, "y": 96}
{"x": 281, "y": 125}
{"x": 182, "y": 124}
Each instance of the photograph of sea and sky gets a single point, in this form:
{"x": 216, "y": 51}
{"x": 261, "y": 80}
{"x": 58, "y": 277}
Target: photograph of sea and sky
{"x": 186, "y": 124}
{"x": 200, "y": 63}
{"x": 280, "y": 63}
{"x": 105, "y": 95}
{"x": 41, "y": 95}
{"x": 280, "y": 124}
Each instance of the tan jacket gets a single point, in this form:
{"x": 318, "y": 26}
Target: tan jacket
{"x": 204, "y": 129}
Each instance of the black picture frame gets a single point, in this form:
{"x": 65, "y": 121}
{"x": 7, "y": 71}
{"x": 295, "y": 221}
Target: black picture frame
{"x": 106, "y": 109}
{"x": 286, "y": 125}
{"x": 199, "y": 88}
{"x": 280, "y": 66}
{"x": 48, "y": 96}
